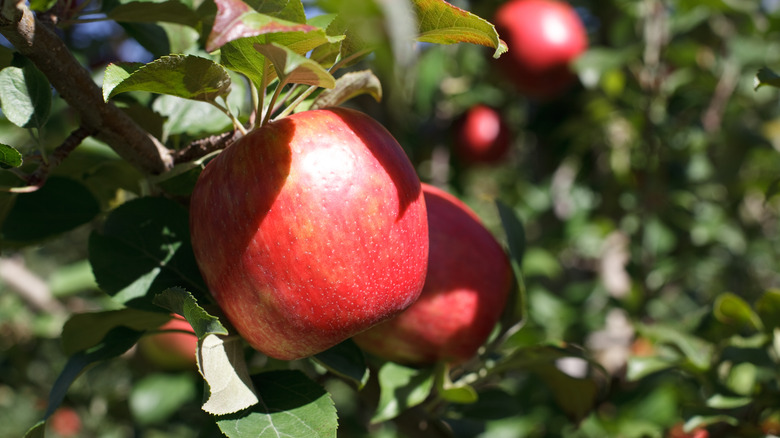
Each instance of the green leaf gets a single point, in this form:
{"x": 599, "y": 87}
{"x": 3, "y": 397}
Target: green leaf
{"x": 348, "y": 86}
{"x": 733, "y": 310}
{"x": 187, "y": 76}
{"x": 42, "y": 5}
{"x": 638, "y": 367}
{"x": 170, "y": 11}
{"x": 697, "y": 351}
{"x": 765, "y": 76}
{"x": 222, "y": 364}
{"x": 116, "y": 342}
{"x": 156, "y": 397}
{"x": 25, "y": 96}
{"x": 453, "y": 392}
{"x": 180, "y": 301}
{"x": 9, "y": 157}
{"x": 61, "y": 205}
{"x": 143, "y": 249}
{"x": 347, "y": 361}
{"x": 442, "y": 23}
{"x": 292, "y": 406}
{"x": 235, "y": 19}
{"x": 85, "y": 330}
{"x": 491, "y": 404}
{"x": 37, "y": 431}
{"x": 401, "y": 388}
{"x": 516, "y": 312}
{"x": 768, "y": 309}
{"x": 515, "y": 232}
{"x": 720, "y": 401}
{"x": 293, "y": 68}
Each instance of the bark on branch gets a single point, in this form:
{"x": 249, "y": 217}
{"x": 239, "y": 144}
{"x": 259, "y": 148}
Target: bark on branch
{"x": 73, "y": 82}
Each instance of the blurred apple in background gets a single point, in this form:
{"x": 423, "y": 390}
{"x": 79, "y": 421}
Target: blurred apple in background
{"x": 174, "y": 350}
{"x": 482, "y": 136}
{"x": 469, "y": 279}
{"x": 544, "y": 37}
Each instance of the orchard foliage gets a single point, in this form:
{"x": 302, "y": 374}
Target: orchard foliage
{"x": 639, "y": 211}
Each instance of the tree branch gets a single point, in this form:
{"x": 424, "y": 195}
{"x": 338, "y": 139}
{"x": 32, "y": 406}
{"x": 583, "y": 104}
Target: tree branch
{"x": 73, "y": 82}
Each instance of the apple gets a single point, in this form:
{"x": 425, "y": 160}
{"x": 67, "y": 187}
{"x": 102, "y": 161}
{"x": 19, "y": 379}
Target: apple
{"x": 678, "y": 431}
{"x": 544, "y": 37}
{"x": 466, "y": 289}
{"x": 482, "y": 136}
{"x": 65, "y": 422}
{"x": 310, "y": 229}
{"x": 175, "y": 350}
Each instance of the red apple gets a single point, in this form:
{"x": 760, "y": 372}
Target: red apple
{"x": 309, "y": 230}
{"x": 544, "y": 37}
{"x": 174, "y": 350}
{"x": 678, "y": 431}
{"x": 482, "y": 136}
{"x": 469, "y": 280}
{"x": 65, "y": 422}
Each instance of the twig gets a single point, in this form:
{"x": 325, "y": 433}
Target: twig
{"x": 202, "y": 147}
{"x": 36, "y": 179}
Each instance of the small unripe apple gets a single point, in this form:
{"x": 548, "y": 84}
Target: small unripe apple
{"x": 482, "y": 136}
{"x": 175, "y": 350}
{"x": 65, "y": 422}
{"x": 310, "y": 229}
{"x": 544, "y": 37}
{"x": 466, "y": 289}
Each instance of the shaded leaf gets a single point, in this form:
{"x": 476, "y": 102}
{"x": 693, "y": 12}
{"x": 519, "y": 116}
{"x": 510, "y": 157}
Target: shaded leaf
{"x": 143, "y": 249}
{"x": 697, "y": 351}
{"x": 187, "y": 76}
{"x": 221, "y": 363}
{"x": 348, "y": 86}
{"x": 453, "y": 392}
{"x": 9, "y": 157}
{"x": 171, "y": 11}
{"x": 292, "y": 405}
{"x": 293, "y": 68}
{"x": 62, "y": 204}
{"x": 442, "y": 23}
{"x": 235, "y": 19}
{"x": 347, "y": 361}
{"x": 401, "y": 388}
{"x": 85, "y": 330}
{"x": 180, "y": 301}
{"x": 37, "y": 431}
{"x": 156, "y": 397}
{"x": 25, "y": 96}
{"x": 116, "y": 342}
{"x": 765, "y": 76}
{"x": 491, "y": 404}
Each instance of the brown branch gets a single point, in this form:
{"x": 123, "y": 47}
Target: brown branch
{"x": 205, "y": 146}
{"x": 74, "y": 83}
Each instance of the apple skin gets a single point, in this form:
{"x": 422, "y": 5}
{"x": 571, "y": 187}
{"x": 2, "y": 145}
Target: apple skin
{"x": 482, "y": 136}
{"x": 171, "y": 351}
{"x": 309, "y": 230}
{"x": 544, "y": 37}
{"x": 466, "y": 289}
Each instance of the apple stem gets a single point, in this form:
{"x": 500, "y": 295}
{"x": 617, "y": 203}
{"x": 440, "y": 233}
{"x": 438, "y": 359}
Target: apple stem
{"x": 226, "y": 110}
{"x": 290, "y": 108}
{"x": 269, "y": 112}
{"x": 349, "y": 58}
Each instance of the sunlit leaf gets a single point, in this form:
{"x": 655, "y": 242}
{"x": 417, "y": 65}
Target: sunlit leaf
{"x": 345, "y": 360}
{"x": 235, "y": 19}
{"x": 178, "y": 300}
{"x": 293, "y": 68}
{"x": 25, "y": 96}
{"x": 768, "y": 308}
{"x": 453, "y": 392}
{"x": 187, "y": 76}
{"x": 401, "y": 388}
{"x": 442, "y": 23}
{"x": 37, "y": 431}
{"x": 733, "y": 310}
{"x": 292, "y": 406}
{"x": 221, "y": 363}
{"x": 348, "y": 86}
{"x": 9, "y": 157}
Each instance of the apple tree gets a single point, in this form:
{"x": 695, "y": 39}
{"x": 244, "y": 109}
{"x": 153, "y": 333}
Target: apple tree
{"x": 286, "y": 176}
